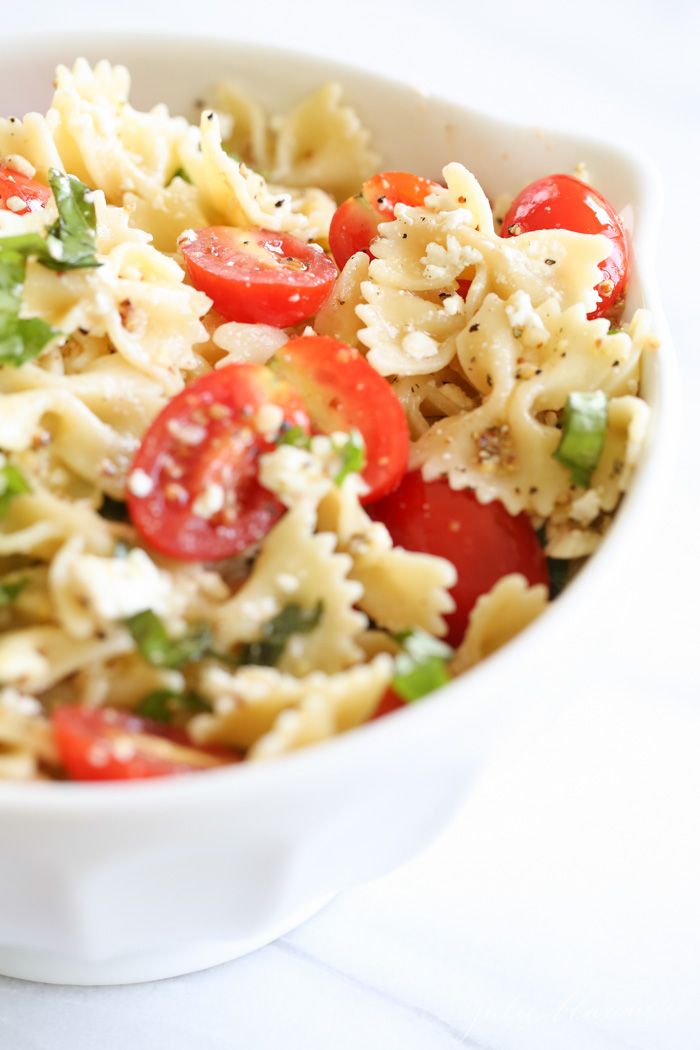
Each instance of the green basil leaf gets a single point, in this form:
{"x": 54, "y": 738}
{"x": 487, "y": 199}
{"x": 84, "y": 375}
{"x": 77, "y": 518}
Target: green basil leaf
{"x": 180, "y": 174}
{"x": 113, "y": 509}
{"x": 163, "y": 705}
{"x": 421, "y": 666}
{"x": 277, "y": 632}
{"x": 584, "y": 422}
{"x": 156, "y": 646}
{"x": 352, "y": 456}
{"x": 71, "y": 240}
{"x": 12, "y": 483}
{"x": 296, "y": 436}
{"x": 11, "y": 589}
{"x": 23, "y": 339}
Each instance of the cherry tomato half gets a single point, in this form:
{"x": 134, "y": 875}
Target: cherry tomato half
{"x": 561, "y": 202}
{"x": 482, "y": 540}
{"x": 340, "y": 391}
{"x": 18, "y": 192}
{"x": 193, "y": 490}
{"x": 354, "y": 224}
{"x": 105, "y": 744}
{"x": 389, "y": 702}
{"x": 257, "y": 275}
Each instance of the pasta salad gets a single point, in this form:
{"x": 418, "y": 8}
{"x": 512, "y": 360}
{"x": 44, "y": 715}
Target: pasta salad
{"x": 286, "y": 441}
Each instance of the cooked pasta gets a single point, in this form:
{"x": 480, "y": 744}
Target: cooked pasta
{"x": 123, "y": 636}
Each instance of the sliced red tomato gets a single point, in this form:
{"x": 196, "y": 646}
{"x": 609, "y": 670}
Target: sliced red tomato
{"x": 483, "y": 541}
{"x": 257, "y": 275}
{"x": 391, "y": 701}
{"x": 19, "y": 193}
{"x": 105, "y": 744}
{"x": 561, "y": 202}
{"x": 341, "y": 391}
{"x": 193, "y": 489}
{"x": 354, "y": 224}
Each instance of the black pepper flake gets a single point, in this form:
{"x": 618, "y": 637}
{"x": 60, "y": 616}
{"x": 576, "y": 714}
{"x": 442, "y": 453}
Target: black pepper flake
{"x": 474, "y": 327}
{"x": 489, "y": 380}
{"x": 615, "y": 364}
{"x": 279, "y": 203}
{"x": 210, "y": 115}
{"x": 538, "y": 371}
{"x": 550, "y": 262}
{"x": 404, "y": 236}
{"x": 532, "y": 490}
{"x": 381, "y": 200}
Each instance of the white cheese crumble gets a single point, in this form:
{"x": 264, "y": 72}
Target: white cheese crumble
{"x": 209, "y": 501}
{"x": 15, "y": 204}
{"x": 115, "y": 588}
{"x": 268, "y": 421}
{"x": 140, "y": 484}
{"x": 419, "y": 345}
{"x": 296, "y": 475}
{"x": 186, "y": 433}
{"x": 14, "y": 700}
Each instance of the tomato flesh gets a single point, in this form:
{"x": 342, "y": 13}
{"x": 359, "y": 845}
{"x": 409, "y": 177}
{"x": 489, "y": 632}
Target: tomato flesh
{"x": 19, "y": 193}
{"x": 482, "y": 540}
{"x": 390, "y": 701}
{"x": 354, "y": 224}
{"x": 561, "y": 202}
{"x": 200, "y": 499}
{"x": 106, "y": 744}
{"x": 341, "y": 391}
{"x": 257, "y": 276}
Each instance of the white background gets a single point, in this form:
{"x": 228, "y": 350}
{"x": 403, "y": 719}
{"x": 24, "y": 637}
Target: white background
{"x": 562, "y": 909}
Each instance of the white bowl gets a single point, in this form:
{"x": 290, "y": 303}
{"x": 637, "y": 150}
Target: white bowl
{"x": 135, "y": 881}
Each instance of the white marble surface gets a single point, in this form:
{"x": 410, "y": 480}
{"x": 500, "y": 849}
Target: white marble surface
{"x": 561, "y": 910}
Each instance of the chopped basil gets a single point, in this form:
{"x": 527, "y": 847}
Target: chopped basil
{"x": 12, "y": 483}
{"x": 71, "y": 240}
{"x": 156, "y": 646}
{"x": 163, "y": 705}
{"x": 352, "y": 456}
{"x": 558, "y": 572}
{"x": 421, "y": 666}
{"x": 277, "y": 632}
{"x": 113, "y": 509}
{"x": 180, "y": 174}
{"x": 584, "y": 421}
{"x": 21, "y": 339}
{"x": 557, "y": 568}
{"x": 296, "y": 436}
{"x": 11, "y": 589}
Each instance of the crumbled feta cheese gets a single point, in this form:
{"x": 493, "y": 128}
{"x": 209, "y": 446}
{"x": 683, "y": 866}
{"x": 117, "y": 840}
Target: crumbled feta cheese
{"x": 186, "y": 433}
{"x": 586, "y": 508}
{"x": 140, "y": 483}
{"x": 296, "y": 475}
{"x": 15, "y": 204}
{"x": 287, "y": 583}
{"x": 187, "y": 236}
{"x": 268, "y": 421}
{"x": 115, "y": 588}
{"x": 209, "y": 501}
{"x": 419, "y": 345}
{"x": 13, "y": 700}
